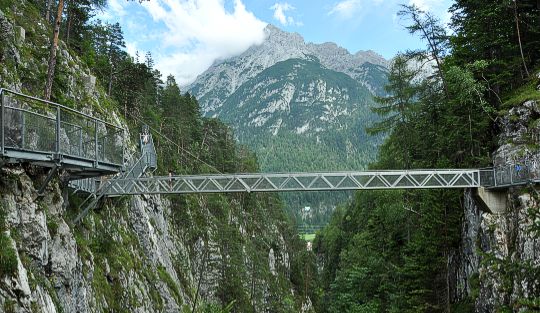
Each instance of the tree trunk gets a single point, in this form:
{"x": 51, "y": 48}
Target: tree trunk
{"x": 519, "y": 38}
{"x": 111, "y": 73}
{"x": 52, "y": 55}
{"x": 109, "y": 87}
{"x": 68, "y": 26}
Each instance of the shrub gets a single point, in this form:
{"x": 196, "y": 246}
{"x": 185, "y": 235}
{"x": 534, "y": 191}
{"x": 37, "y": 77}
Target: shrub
{"x": 8, "y": 256}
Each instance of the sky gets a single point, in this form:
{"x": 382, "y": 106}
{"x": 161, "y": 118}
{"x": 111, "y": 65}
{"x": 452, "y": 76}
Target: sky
{"x": 185, "y": 37}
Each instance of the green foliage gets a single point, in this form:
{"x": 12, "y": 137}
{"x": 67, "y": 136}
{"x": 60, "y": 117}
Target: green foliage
{"x": 477, "y": 38}
{"x": 213, "y": 308}
{"x": 524, "y": 93}
{"x": 166, "y": 277}
{"x": 8, "y": 256}
{"x": 9, "y": 306}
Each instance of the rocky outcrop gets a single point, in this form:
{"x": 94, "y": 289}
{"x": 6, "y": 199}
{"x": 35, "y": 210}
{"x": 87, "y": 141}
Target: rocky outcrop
{"x": 498, "y": 264}
{"x": 132, "y": 249}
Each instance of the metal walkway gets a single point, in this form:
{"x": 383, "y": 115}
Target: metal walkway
{"x": 48, "y": 134}
{"x": 97, "y": 190}
{"x": 272, "y": 182}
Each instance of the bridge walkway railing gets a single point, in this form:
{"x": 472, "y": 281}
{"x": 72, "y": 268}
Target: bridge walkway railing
{"x": 508, "y": 175}
{"x": 48, "y": 133}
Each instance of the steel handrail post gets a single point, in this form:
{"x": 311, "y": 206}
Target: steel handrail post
{"x": 2, "y": 120}
{"x": 57, "y": 131}
{"x": 23, "y": 130}
{"x": 103, "y": 154}
{"x": 96, "y": 141}
{"x": 80, "y": 142}
{"x": 124, "y": 147}
{"x": 512, "y": 175}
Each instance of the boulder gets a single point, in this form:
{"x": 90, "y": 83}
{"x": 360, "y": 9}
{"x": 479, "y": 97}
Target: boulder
{"x": 20, "y": 34}
{"x": 89, "y": 82}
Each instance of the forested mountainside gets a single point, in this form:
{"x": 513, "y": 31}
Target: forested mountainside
{"x": 440, "y": 250}
{"x": 301, "y": 107}
{"x": 215, "y": 253}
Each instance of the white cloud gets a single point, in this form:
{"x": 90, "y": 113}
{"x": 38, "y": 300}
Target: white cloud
{"x": 280, "y": 10}
{"x": 199, "y": 32}
{"x": 117, "y": 7}
{"x": 437, "y": 7}
{"x": 347, "y": 8}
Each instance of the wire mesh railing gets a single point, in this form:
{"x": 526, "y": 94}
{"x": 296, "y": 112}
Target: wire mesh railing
{"x": 510, "y": 174}
{"x": 35, "y": 125}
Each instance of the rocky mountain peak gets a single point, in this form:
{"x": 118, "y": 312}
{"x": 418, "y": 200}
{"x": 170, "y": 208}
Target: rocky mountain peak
{"x": 276, "y": 35}
{"x": 220, "y": 81}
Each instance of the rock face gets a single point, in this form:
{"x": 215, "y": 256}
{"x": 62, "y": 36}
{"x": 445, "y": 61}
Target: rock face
{"x": 498, "y": 264}
{"x": 222, "y": 79}
{"x": 134, "y": 249}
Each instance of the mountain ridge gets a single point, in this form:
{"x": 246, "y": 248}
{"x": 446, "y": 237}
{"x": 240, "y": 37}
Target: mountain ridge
{"x": 280, "y": 46}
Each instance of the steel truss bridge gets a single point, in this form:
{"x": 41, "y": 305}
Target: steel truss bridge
{"x": 92, "y": 152}
{"x": 275, "y": 182}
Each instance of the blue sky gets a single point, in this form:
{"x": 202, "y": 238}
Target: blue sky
{"x": 187, "y": 36}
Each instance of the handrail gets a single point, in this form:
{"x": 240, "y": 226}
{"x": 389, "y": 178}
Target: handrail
{"x": 3, "y": 90}
{"x": 45, "y": 116}
{"x": 16, "y": 108}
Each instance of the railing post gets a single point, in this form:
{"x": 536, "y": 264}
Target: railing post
{"x": 96, "y": 141}
{"x": 57, "y": 131}
{"x": 103, "y": 152}
{"x": 23, "y": 129}
{"x": 124, "y": 147}
{"x": 2, "y": 120}
{"x": 80, "y": 143}
{"x": 512, "y": 175}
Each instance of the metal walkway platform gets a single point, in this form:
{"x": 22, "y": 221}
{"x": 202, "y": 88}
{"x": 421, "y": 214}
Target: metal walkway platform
{"x": 275, "y": 182}
{"x": 48, "y": 134}
{"x": 490, "y": 178}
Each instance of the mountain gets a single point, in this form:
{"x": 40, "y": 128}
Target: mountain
{"x": 218, "y": 82}
{"x": 300, "y": 106}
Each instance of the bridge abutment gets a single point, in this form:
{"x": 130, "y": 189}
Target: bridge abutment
{"x": 493, "y": 201}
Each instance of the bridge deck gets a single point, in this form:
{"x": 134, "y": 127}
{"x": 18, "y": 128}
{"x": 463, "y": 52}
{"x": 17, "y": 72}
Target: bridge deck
{"x": 491, "y": 178}
{"x": 271, "y": 182}
{"x": 49, "y": 134}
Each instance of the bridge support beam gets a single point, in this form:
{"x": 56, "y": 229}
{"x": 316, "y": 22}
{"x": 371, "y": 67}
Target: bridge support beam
{"x": 494, "y": 201}
{"x": 52, "y": 172}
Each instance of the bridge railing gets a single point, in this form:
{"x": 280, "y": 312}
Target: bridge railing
{"x": 514, "y": 174}
{"x": 29, "y": 124}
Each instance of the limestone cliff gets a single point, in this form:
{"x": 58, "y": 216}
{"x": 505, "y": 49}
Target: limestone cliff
{"x": 497, "y": 267}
